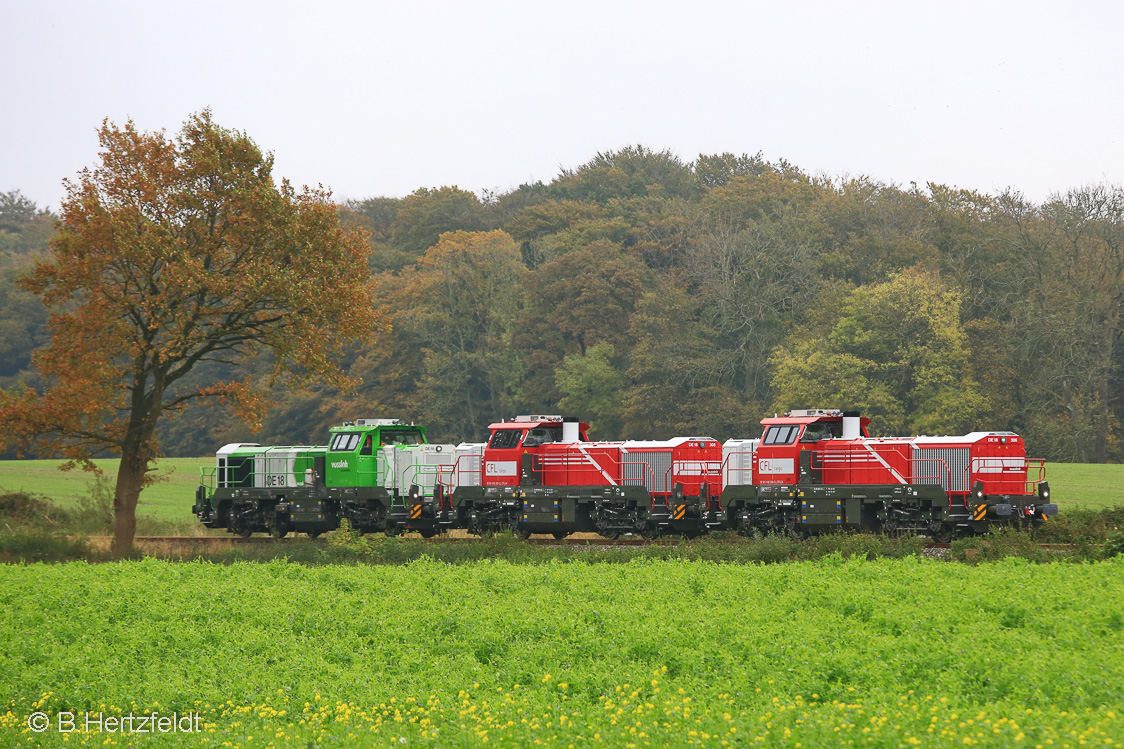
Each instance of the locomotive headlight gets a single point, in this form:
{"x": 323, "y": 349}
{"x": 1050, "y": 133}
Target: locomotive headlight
{"x": 1044, "y": 490}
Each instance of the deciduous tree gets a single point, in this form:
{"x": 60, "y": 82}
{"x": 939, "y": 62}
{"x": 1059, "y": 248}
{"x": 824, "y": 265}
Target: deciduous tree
{"x": 458, "y": 307}
{"x": 172, "y": 253}
{"x": 898, "y": 352}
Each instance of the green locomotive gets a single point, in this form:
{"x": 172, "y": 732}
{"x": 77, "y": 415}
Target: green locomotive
{"x": 380, "y": 474}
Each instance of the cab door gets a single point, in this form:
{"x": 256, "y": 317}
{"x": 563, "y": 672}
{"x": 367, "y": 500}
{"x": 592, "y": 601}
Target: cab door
{"x": 341, "y": 459}
{"x": 777, "y": 460}
{"x": 367, "y": 469}
{"x": 503, "y": 458}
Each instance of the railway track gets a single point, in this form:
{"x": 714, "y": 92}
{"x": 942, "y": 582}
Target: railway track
{"x": 200, "y": 541}
{"x": 258, "y": 540}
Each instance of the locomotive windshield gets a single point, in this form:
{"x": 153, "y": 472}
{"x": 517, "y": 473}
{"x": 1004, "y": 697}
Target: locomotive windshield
{"x": 504, "y": 439}
{"x": 781, "y": 435}
{"x": 345, "y": 442}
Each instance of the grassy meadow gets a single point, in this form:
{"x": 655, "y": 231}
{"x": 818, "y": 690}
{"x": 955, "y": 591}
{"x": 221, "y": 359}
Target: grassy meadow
{"x": 170, "y": 499}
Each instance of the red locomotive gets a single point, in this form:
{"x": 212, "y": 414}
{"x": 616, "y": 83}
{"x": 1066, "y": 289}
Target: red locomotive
{"x": 810, "y": 470}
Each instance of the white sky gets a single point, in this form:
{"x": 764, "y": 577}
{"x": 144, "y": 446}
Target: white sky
{"x": 381, "y": 98}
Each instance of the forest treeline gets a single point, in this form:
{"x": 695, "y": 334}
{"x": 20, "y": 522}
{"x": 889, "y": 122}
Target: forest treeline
{"x": 655, "y": 297}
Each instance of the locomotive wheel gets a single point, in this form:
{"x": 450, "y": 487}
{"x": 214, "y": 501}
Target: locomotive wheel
{"x": 944, "y": 535}
{"x": 277, "y": 533}
{"x": 392, "y": 530}
{"x": 244, "y": 532}
{"x": 428, "y": 533}
{"x": 650, "y": 532}
{"x": 522, "y": 533}
{"x": 559, "y": 535}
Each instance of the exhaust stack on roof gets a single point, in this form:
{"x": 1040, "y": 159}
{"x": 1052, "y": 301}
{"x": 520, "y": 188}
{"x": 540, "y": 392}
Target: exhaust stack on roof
{"x": 570, "y": 430}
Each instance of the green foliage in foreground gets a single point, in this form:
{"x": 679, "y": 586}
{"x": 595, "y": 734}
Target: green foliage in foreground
{"x": 884, "y": 653}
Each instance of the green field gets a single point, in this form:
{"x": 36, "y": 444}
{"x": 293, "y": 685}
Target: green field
{"x": 872, "y": 653}
{"x": 1073, "y": 485}
{"x": 1086, "y": 486}
{"x": 170, "y": 499}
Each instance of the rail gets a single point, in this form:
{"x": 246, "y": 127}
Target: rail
{"x": 1031, "y": 485}
{"x": 726, "y": 468}
{"x": 208, "y": 478}
{"x": 700, "y": 468}
{"x": 647, "y": 475}
{"x": 867, "y": 459}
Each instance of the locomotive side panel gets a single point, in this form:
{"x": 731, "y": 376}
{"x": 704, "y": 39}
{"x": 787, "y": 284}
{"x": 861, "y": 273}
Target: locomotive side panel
{"x": 999, "y": 463}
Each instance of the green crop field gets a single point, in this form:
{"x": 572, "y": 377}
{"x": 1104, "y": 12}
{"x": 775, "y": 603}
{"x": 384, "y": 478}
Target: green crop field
{"x": 871, "y": 653}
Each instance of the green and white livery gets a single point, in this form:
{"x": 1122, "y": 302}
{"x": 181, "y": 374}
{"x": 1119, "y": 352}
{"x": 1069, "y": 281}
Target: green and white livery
{"x": 380, "y": 474}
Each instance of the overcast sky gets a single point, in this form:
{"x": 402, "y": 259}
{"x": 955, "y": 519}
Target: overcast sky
{"x": 381, "y": 98}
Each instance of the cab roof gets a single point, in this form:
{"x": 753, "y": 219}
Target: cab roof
{"x": 532, "y": 422}
{"x": 863, "y": 421}
{"x": 370, "y": 424}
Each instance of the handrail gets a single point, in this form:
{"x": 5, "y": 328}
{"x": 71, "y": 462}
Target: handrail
{"x": 869, "y": 460}
{"x": 1029, "y": 485}
{"x": 455, "y": 469}
{"x": 726, "y": 460}
{"x": 208, "y": 475}
{"x": 705, "y": 470}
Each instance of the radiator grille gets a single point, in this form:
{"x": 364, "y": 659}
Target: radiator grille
{"x": 955, "y": 462}
{"x": 634, "y": 470}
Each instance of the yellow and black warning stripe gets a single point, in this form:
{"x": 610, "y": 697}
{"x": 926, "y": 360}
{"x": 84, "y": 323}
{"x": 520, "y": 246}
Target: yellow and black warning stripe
{"x": 679, "y": 512}
{"x": 980, "y": 512}
{"x": 415, "y": 512}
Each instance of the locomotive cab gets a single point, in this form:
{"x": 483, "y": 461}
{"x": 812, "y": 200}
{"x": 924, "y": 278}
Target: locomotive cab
{"x": 355, "y": 455}
{"x": 509, "y": 457}
{"x": 778, "y": 459}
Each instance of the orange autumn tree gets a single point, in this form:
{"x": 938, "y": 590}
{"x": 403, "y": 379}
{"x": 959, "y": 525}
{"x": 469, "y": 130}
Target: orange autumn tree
{"x": 172, "y": 253}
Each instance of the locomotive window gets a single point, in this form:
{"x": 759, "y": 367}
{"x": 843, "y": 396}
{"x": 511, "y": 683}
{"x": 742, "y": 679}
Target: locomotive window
{"x": 542, "y": 436}
{"x": 401, "y": 437}
{"x": 822, "y": 430}
{"x": 505, "y": 439}
{"x": 781, "y": 435}
{"x": 344, "y": 442}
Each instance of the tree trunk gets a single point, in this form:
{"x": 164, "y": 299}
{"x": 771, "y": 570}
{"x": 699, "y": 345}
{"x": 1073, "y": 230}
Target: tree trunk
{"x": 130, "y": 478}
{"x": 1100, "y": 443}
{"x": 135, "y": 454}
